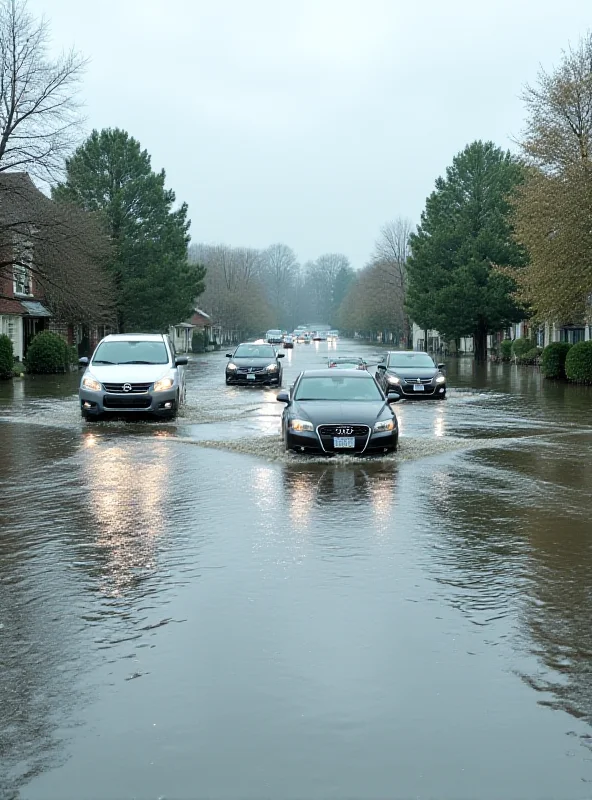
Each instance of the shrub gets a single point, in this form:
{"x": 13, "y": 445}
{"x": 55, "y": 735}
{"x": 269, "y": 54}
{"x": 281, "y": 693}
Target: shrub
{"x": 6, "y": 357}
{"x": 553, "y": 361}
{"x": 505, "y": 349}
{"x": 531, "y": 356}
{"x": 521, "y": 346}
{"x": 578, "y": 363}
{"x": 198, "y": 342}
{"x": 48, "y": 353}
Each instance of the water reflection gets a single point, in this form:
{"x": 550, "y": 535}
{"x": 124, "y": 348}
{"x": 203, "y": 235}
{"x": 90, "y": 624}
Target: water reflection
{"x": 126, "y": 497}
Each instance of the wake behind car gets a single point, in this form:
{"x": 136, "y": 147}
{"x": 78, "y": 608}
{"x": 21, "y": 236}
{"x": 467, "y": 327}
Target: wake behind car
{"x": 345, "y": 411}
{"x": 133, "y": 373}
{"x": 254, "y": 363}
{"x": 411, "y": 374}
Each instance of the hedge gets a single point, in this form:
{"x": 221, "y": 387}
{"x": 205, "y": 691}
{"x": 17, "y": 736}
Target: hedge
{"x": 6, "y": 357}
{"x": 578, "y": 363}
{"x": 506, "y": 349}
{"x": 553, "y": 360}
{"x": 522, "y": 346}
{"x": 531, "y": 356}
{"x": 198, "y": 342}
{"x": 48, "y": 353}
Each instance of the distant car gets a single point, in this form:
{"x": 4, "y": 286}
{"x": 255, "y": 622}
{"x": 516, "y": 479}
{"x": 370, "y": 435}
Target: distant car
{"x": 131, "y": 374}
{"x": 288, "y": 341}
{"x": 254, "y": 364}
{"x": 274, "y": 336}
{"x": 411, "y": 374}
{"x": 338, "y": 412}
{"x": 306, "y": 338}
{"x": 332, "y": 335}
{"x": 346, "y": 362}
{"x": 317, "y": 337}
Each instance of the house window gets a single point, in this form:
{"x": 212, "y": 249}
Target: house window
{"x": 8, "y": 328}
{"x": 22, "y": 281}
{"x": 572, "y": 335}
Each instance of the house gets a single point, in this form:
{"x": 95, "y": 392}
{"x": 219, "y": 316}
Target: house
{"x": 182, "y": 333}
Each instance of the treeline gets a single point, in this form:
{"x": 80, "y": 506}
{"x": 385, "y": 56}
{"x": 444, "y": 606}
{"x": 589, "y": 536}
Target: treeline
{"x": 249, "y": 291}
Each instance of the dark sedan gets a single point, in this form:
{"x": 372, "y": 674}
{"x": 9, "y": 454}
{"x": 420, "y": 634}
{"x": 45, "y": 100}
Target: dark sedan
{"x": 411, "y": 374}
{"x": 343, "y": 411}
{"x": 252, "y": 364}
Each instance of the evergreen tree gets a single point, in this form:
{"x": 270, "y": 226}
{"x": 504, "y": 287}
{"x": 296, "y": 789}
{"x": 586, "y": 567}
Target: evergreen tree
{"x": 454, "y": 284}
{"x": 156, "y": 286}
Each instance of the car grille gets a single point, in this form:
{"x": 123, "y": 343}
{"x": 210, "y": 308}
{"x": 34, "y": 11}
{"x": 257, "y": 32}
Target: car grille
{"x": 417, "y": 381}
{"x": 360, "y": 432}
{"x": 343, "y": 430}
{"x": 117, "y": 388}
{"x": 250, "y": 370}
{"x": 126, "y": 401}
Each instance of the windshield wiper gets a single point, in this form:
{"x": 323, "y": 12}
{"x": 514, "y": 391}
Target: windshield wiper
{"x": 140, "y": 362}
{"x": 99, "y": 361}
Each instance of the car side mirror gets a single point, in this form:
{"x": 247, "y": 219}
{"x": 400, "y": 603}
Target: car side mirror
{"x": 281, "y": 355}
{"x": 392, "y": 397}
{"x": 83, "y": 361}
{"x": 441, "y": 366}
{"x": 283, "y": 397}
{"x": 381, "y": 366}
{"x": 228, "y": 355}
{"x": 181, "y": 361}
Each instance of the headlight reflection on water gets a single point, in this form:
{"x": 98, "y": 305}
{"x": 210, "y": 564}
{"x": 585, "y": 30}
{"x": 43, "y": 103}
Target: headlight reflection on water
{"x": 126, "y": 495}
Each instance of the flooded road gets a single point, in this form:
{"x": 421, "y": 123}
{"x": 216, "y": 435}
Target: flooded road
{"x": 187, "y": 612}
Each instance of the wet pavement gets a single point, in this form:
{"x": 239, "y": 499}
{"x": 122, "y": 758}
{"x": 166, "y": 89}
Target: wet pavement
{"x": 187, "y": 612}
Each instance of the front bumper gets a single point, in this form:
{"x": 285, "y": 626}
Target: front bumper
{"x": 261, "y": 378}
{"x": 160, "y": 404}
{"x": 310, "y": 442}
{"x": 407, "y": 390}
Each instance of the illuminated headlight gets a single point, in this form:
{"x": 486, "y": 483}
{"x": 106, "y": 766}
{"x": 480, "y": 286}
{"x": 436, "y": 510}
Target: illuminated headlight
{"x": 394, "y": 380}
{"x": 163, "y": 384}
{"x": 231, "y": 366}
{"x": 271, "y": 368}
{"x": 385, "y": 425}
{"x": 440, "y": 379}
{"x": 90, "y": 383}
{"x": 301, "y": 425}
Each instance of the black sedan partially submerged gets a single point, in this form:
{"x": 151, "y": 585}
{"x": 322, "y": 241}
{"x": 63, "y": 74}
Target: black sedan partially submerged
{"x": 338, "y": 411}
{"x": 411, "y": 374}
{"x": 254, "y": 363}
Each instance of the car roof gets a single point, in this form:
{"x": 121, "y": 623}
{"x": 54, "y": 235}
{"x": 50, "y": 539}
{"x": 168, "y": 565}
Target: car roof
{"x": 256, "y": 344}
{"x": 134, "y": 337}
{"x": 408, "y": 353}
{"x": 330, "y": 373}
{"x": 345, "y": 358}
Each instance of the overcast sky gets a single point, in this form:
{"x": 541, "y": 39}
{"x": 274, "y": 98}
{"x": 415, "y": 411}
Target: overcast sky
{"x": 310, "y": 122}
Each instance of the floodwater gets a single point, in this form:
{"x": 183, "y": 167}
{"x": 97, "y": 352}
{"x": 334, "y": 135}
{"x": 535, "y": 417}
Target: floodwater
{"x": 188, "y": 612}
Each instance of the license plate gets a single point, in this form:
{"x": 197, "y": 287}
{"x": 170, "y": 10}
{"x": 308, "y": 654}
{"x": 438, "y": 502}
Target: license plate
{"x": 344, "y": 441}
{"x": 419, "y": 388}
{"x": 252, "y": 378}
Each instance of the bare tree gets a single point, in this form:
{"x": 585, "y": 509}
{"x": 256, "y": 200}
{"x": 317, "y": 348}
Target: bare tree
{"x": 280, "y": 267}
{"x": 391, "y": 251}
{"x": 39, "y": 111}
{"x": 62, "y": 251}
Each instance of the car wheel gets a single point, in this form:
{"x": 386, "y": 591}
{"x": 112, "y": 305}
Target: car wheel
{"x": 90, "y": 417}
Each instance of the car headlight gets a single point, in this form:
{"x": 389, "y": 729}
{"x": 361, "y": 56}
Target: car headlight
{"x": 441, "y": 379}
{"x": 394, "y": 379}
{"x": 301, "y": 425}
{"x": 385, "y": 425}
{"x": 163, "y": 384}
{"x": 90, "y": 383}
{"x": 271, "y": 368}
{"x": 231, "y": 366}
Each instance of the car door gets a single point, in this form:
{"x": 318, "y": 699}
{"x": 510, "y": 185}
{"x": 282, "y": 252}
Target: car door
{"x": 381, "y": 369}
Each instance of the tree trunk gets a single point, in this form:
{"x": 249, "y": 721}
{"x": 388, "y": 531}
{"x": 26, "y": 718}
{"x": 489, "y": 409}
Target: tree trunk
{"x": 426, "y": 332}
{"x": 480, "y": 343}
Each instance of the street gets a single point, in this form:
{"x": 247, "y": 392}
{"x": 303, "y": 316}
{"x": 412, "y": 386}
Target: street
{"x": 187, "y": 611}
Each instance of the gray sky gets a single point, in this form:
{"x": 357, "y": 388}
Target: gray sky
{"x": 310, "y": 122}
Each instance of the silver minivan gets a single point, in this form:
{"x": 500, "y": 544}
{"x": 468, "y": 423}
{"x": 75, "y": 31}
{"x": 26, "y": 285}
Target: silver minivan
{"x": 133, "y": 373}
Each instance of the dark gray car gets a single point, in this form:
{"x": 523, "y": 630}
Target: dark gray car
{"x": 411, "y": 374}
{"x": 254, "y": 363}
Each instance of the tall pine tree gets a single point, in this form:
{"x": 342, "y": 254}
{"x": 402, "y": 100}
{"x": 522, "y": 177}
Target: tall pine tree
{"x": 155, "y": 284}
{"x": 465, "y": 232}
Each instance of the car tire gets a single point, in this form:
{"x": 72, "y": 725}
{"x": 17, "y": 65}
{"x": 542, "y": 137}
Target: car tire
{"x": 90, "y": 417}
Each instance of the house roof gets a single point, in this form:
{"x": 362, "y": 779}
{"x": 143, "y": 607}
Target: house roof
{"x": 23, "y": 308}
{"x": 200, "y": 319}
{"x": 20, "y": 199}
{"x": 11, "y": 307}
{"x": 35, "y": 309}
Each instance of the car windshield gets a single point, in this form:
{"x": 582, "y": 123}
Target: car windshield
{"x": 411, "y": 360}
{"x": 347, "y": 363}
{"x": 254, "y": 351}
{"x": 340, "y": 388}
{"x": 131, "y": 352}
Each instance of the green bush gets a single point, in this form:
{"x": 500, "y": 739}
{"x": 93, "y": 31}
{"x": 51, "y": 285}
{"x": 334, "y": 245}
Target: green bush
{"x": 198, "y": 344}
{"x": 531, "y": 356}
{"x": 505, "y": 349}
{"x": 553, "y": 360}
{"x": 6, "y": 357}
{"x": 48, "y": 353}
{"x": 521, "y": 346}
{"x": 578, "y": 363}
